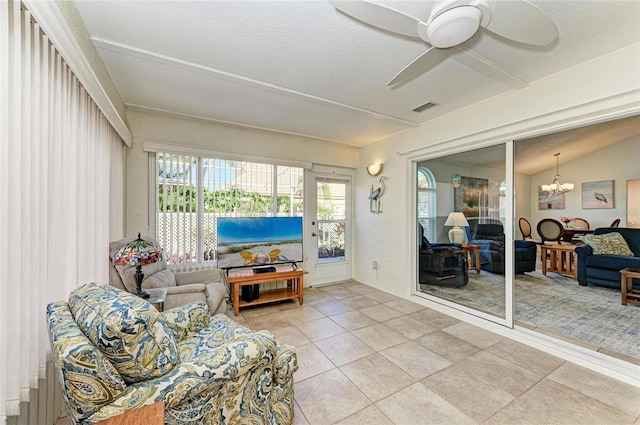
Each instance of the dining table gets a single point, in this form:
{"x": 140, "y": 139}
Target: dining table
{"x": 569, "y": 233}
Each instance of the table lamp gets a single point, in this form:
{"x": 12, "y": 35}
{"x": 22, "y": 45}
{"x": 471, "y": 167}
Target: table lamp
{"x": 457, "y": 220}
{"x": 138, "y": 253}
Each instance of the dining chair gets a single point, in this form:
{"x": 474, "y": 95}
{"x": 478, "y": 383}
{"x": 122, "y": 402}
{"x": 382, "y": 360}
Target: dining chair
{"x": 525, "y": 229}
{"x": 551, "y": 230}
{"x": 615, "y": 223}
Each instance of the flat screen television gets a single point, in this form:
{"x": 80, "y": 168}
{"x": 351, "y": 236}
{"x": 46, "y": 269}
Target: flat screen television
{"x": 258, "y": 241}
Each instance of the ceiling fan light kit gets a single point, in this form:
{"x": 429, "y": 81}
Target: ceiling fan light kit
{"x": 452, "y": 22}
{"x": 453, "y": 27}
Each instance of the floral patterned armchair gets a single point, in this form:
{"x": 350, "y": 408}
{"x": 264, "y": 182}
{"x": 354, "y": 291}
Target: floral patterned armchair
{"x": 114, "y": 352}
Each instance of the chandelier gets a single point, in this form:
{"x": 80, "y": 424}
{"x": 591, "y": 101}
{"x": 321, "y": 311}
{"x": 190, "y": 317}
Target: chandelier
{"x": 557, "y": 186}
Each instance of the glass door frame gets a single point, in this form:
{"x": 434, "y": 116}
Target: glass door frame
{"x": 327, "y": 272}
{"x": 509, "y": 231}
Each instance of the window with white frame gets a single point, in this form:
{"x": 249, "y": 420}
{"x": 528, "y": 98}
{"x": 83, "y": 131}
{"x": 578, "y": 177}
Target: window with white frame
{"x": 427, "y": 207}
{"x": 193, "y": 191}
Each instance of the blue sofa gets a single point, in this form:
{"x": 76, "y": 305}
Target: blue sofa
{"x": 604, "y": 270}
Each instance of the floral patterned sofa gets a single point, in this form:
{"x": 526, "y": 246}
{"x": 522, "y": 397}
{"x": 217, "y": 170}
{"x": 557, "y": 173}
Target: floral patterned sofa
{"x": 114, "y": 352}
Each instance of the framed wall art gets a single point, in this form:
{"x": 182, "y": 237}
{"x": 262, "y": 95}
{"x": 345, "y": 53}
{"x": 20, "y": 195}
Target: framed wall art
{"x": 597, "y": 195}
{"x": 550, "y": 201}
{"x": 472, "y": 196}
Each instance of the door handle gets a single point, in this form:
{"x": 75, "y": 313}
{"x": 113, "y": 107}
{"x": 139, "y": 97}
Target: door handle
{"x": 314, "y": 234}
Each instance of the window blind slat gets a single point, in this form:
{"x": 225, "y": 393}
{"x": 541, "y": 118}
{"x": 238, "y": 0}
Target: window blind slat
{"x": 55, "y": 179}
{"x": 201, "y": 189}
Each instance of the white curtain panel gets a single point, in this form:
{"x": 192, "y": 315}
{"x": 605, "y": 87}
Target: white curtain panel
{"x": 61, "y": 196}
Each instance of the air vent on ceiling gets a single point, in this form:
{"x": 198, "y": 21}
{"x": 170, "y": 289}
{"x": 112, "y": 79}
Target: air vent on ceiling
{"x": 423, "y": 107}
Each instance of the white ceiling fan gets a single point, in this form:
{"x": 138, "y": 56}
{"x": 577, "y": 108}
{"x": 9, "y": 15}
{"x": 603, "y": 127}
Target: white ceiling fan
{"x": 452, "y": 22}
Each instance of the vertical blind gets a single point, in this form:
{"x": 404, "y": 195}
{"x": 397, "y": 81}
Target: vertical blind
{"x": 192, "y": 191}
{"x": 61, "y": 196}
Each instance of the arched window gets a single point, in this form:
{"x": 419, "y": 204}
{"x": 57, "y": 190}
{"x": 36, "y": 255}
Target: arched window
{"x": 427, "y": 208}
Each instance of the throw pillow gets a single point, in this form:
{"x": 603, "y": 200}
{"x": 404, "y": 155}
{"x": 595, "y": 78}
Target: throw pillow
{"x": 128, "y": 330}
{"x": 608, "y": 244}
{"x": 156, "y": 275}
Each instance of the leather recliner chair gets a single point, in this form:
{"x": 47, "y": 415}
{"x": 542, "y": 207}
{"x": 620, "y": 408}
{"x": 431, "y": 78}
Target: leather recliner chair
{"x": 441, "y": 263}
{"x": 490, "y": 238}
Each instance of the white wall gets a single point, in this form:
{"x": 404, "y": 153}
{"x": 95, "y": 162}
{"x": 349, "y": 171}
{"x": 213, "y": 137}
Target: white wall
{"x": 604, "y": 88}
{"x": 216, "y": 137}
{"x": 617, "y": 162}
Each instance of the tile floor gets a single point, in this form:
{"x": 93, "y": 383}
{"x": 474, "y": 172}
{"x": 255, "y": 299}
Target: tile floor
{"x": 368, "y": 357}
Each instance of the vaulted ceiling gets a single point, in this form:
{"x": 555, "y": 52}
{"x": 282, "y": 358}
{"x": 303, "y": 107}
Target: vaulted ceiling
{"x": 304, "y": 68}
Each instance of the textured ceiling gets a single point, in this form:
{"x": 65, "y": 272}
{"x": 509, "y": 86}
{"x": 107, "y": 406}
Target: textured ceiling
{"x": 536, "y": 154}
{"x": 304, "y": 68}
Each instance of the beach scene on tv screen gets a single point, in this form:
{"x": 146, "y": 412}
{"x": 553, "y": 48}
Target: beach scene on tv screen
{"x": 258, "y": 241}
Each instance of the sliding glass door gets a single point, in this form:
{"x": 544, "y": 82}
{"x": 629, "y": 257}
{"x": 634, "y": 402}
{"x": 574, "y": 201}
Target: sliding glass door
{"x": 474, "y": 187}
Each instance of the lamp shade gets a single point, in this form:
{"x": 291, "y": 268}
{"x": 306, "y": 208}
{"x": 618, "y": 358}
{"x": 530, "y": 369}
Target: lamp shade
{"x": 457, "y": 220}
{"x": 137, "y": 253}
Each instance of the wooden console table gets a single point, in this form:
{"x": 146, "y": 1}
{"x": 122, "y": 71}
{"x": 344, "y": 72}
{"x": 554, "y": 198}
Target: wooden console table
{"x": 561, "y": 259}
{"x": 294, "y": 287}
{"x": 629, "y": 295}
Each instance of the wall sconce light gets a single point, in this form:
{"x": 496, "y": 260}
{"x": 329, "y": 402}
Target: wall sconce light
{"x": 374, "y": 169}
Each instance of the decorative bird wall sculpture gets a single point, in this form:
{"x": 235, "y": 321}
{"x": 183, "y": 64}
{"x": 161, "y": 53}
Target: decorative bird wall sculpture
{"x": 375, "y": 195}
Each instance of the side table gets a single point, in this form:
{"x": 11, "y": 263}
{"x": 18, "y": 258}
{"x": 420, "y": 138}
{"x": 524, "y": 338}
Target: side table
{"x": 151, "y": 414}
{"x": 561, "y": 259}
{"x": 629, "y": 295}
{"x": 157, "y": 297}
{"x": 473, "y": 253}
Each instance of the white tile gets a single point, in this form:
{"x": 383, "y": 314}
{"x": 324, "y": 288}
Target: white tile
{"x": 311, "y": 362}
{"x": 609, "y": 391}
{"x": 319, "y": 329}
{"x": 417, "y": 405}
{"x": 379, "y": 337}
{"x": 376, "y": 376}
{"x": 473, "y": 334}
{"x": 381, "y": 312}
{"x": 343, "y": 348}
{"x": 329, "y": 397}
{"x": 416, "y": 360}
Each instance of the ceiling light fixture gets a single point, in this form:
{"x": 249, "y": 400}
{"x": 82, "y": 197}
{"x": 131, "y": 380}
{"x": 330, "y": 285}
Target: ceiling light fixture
{"x": 453, "y": 26}
{"x": 557, "y": 186}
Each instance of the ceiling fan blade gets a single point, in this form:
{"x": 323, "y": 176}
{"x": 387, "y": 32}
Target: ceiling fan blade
{"x": 379, "y": 16}
{"x": 425, "y": 61}
{"x": 487, "y": 68}
{"x": 521, "y": 21}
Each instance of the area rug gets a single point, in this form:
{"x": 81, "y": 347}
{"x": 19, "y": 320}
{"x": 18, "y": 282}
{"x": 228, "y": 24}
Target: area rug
{"x": 556, "y": 303}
